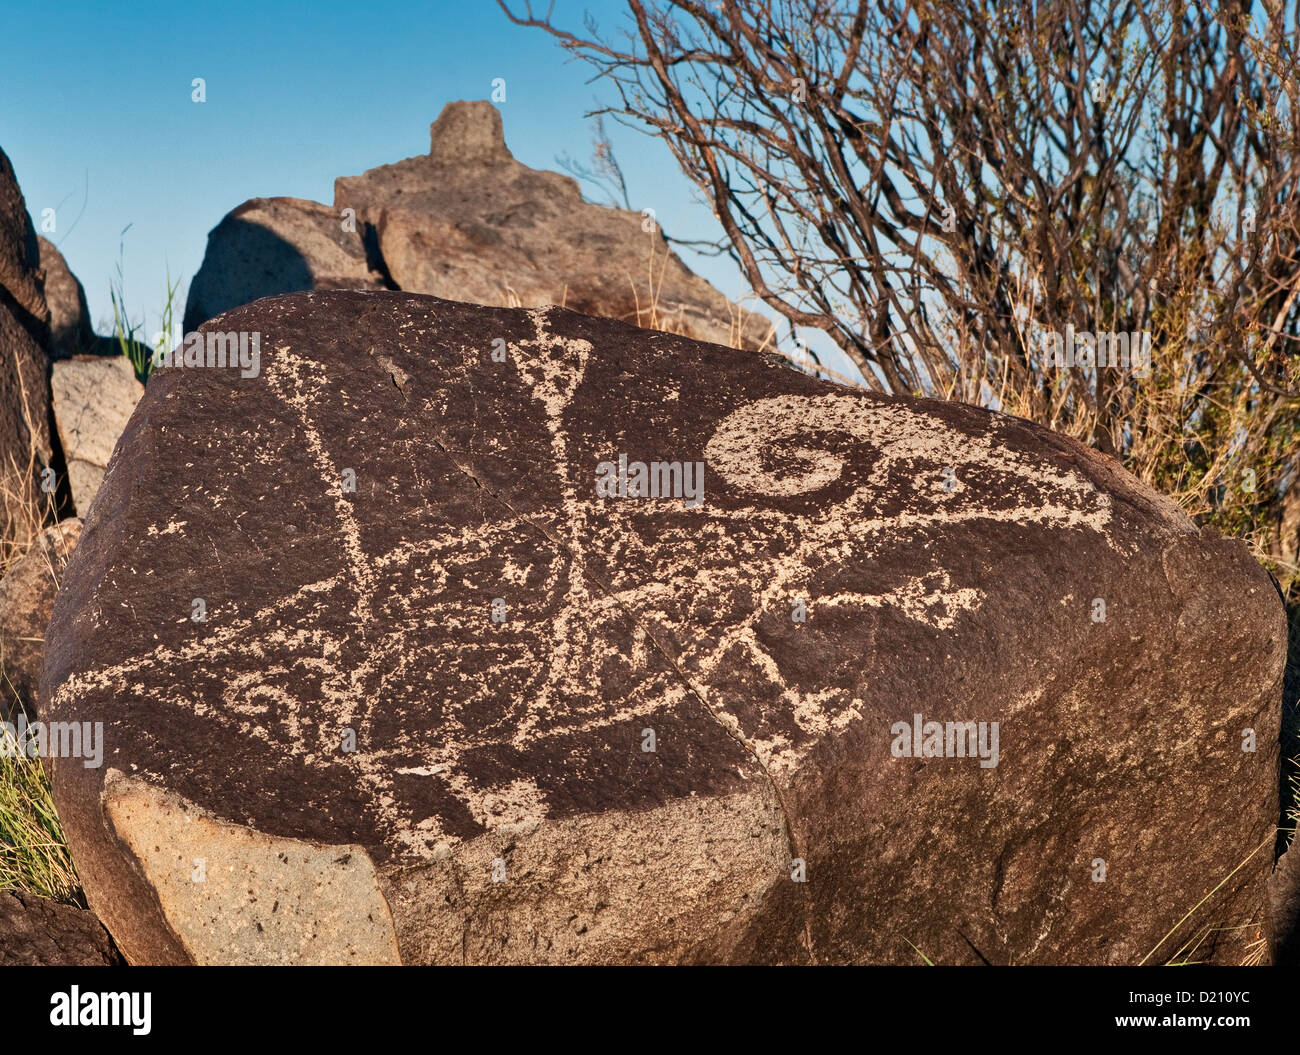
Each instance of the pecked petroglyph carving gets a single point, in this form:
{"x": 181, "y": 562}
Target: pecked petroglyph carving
{"x": 352, "y": 688}
{"x": 555, "y": 701}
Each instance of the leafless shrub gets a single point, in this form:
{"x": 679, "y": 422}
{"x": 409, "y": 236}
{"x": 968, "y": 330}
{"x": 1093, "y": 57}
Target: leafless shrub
{"x": 935, "y": 185}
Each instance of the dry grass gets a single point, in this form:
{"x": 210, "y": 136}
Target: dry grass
{"x": 33, "y": 853}
{"x": 654, "y": 316}
{"x": 24, "y": 508}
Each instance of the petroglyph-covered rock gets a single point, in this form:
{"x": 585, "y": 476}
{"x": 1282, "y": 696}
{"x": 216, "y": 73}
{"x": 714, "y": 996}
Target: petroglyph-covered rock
{"x": 395, "y": 664}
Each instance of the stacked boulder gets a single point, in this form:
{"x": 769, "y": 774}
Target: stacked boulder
{"x": 70, "y": 329}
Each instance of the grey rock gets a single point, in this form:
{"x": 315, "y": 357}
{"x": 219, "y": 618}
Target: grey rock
{"x": 93, "y": 400}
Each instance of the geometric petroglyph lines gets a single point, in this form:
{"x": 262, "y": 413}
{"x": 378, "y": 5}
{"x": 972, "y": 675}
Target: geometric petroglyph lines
{"x": 553, "y": 372}
{"x": 290, "y": 369}
{"x": 899, "y": 437}
{"x": 554, "y": 375}
{"x": 282, "y": 637}
{"x": 553, "y": 673}
{"x": 929, "y": 598}
{"x": 554, "y": 379}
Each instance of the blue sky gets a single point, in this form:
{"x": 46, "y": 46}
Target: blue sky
{"x": 96, "y": 116}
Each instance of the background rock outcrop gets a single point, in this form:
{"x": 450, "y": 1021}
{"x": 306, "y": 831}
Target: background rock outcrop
{"x": 269, "y": 246}
{"x": 466, "y": 222}
{"x": 469, "y": 222}
{"x": 25, "y": 445}
{"x": 70, "y": 330}
{"x": 404, "y": 685}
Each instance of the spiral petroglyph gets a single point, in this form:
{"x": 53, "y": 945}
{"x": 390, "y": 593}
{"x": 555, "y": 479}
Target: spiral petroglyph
{"x": 899, "y": 436}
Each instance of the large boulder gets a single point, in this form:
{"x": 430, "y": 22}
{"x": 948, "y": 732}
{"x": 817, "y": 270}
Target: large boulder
{"x": 469, "y": 222}
{"x": 25, "y": 447}
{"x": 70, "y": 330}
{"x": 394, "y": 665}
{"x": 93, "y": 400}
{"x": 39, "y": 933}
{"x": 26, "y": 602}
{"x": 269, "y": 246}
